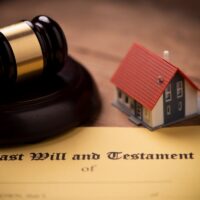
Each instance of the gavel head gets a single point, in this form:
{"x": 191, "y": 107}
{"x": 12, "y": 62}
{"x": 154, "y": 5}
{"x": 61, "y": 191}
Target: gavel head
{"x": 31, "y": 48}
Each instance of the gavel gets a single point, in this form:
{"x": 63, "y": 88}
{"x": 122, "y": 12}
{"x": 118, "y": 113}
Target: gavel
{"x": 31, "y": 48}
{"x": 44, "y": 92}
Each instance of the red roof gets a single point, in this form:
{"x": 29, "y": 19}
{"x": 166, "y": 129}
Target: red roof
{"x": 138, "y": 76}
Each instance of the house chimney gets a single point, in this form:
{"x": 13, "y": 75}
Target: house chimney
{"x": 166, "y": 55}
{"x": 160, "y": 80}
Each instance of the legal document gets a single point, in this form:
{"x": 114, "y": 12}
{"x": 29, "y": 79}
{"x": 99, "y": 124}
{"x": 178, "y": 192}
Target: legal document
{"x": 105, "y": 163}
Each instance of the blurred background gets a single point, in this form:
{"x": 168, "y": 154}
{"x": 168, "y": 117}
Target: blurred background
{"x": 100, "y": 32}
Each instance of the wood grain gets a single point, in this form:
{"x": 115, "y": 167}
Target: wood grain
{"x": 99, "y": 34}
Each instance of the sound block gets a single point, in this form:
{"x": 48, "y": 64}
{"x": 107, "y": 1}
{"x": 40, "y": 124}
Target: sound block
{"x": 48, "y": 106}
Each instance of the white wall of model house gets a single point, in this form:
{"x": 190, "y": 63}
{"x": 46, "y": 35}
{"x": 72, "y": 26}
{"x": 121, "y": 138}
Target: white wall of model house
{"x": 121, "y": 97}
{"x": 158, "y": 113}
{"x": 154, "y": 117}
{"x": 191, "y": 99}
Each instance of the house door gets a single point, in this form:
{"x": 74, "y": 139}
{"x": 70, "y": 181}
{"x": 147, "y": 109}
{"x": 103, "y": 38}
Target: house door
{"x": 174, "y": 100}
{"x": 138, "y": 110}
{"x": 133, "y": 103}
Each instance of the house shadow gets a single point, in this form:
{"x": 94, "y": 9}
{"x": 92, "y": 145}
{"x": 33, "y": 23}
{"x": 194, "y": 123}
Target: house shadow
{"x": 194, "y": 121}
{"x": 186, "y": 130}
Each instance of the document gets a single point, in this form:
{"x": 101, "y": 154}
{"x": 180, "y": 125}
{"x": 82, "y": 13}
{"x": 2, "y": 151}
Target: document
{"x": 105, "y": 163}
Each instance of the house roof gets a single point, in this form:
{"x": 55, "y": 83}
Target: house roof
{"x": 139, "y": 73}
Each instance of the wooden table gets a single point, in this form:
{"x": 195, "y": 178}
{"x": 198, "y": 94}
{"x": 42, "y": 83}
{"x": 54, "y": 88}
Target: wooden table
{"x": 99, "y": 34}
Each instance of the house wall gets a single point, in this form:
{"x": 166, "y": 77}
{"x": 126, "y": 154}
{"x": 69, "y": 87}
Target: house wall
{"x": 123, "y": 98}
{"x": 191, "y": 105}
{"x": 157, "y": 113}
{"x": 147, "y": 116}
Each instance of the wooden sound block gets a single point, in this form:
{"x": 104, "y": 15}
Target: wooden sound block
{"x": 48, "y": 106}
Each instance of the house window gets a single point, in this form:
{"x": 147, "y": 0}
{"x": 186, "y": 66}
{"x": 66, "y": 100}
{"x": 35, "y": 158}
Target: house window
{"x": 119, "y": 93}
{"x": 168, "y": 110}
{"x": 168, "y": 93}
{"x": 139, "y": 111}
{"x": 179, "y": 89}
{"x": 180, "y": 105}
{"x": 126, "y": 99}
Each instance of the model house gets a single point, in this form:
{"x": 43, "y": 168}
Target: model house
{"x": 152, "y": 91}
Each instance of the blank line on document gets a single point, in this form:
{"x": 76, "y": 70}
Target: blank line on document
{"x": 87, "y": 182}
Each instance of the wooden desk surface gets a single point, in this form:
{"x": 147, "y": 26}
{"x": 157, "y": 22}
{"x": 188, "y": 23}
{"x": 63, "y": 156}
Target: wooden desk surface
{"x": 99, "y": 34}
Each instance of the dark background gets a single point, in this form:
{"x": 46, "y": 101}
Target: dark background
{"x": 100, "y": 32}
